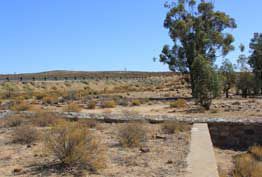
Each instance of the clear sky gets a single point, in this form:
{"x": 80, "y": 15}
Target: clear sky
{"x": 40, "y": 35}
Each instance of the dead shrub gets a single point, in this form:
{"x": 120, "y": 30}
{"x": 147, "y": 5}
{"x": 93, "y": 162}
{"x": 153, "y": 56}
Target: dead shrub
{"x": 74, "y": 145}
{"x": 25, "y": 134}
{"x": 45, "y": 119}
{"x": 171, "y": 127}
{"x": 72, "y": 107}
{"x": 14, "y": 121}
{"x": 180, "y": 103}
{"x": 89, "y": 123}
{"x": 132, "y": 135}
{"x": 109, "y": 104}
{"x": 91, "y": 105}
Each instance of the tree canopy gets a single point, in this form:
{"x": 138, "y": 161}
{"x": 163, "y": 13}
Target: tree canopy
{"x": 196, "y": 29}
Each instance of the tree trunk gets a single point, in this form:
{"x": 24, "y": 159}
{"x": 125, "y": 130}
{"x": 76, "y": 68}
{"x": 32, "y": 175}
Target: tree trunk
{"x": 227, "y": 95}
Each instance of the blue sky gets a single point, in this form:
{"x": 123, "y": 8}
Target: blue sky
{"x": 40, "y": 35}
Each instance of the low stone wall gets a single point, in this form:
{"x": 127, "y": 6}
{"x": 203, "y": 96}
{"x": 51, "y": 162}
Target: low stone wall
{"x": 237, "y": 136}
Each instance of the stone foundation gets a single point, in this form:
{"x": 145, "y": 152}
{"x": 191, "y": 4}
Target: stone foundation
{"x": 237, "y": 136}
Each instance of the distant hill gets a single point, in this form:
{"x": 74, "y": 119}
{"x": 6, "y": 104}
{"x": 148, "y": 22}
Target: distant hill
{"x": 81, "y": 75}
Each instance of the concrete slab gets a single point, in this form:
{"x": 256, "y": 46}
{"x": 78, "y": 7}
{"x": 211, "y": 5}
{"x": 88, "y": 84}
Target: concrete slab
{"x": 201, "y": 159}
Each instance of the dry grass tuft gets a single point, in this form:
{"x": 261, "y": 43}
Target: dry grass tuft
{"x": 109, "y": 104}
{"x": 249, "y": 165}
{"x": 180, "y": 103}
{"x": 256, "y": 151}
{"x": 74, "y": 145}
{"x": 45, "y": 119}
{"x": 171, "y": 127}
{"x": 132, "y": 135}
{"x": 136, "y": 102}
{"x": 72, "y": 107}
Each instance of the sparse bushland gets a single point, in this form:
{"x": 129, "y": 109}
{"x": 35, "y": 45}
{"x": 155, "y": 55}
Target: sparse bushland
{"x": 132, "y": 135}
{"x": 171, "y": 127}
{"x": 249, "y": 164}
{"x": 108, "y": 104}
{"x": 180, "y": 103}
{"x": 25, "y": 134}
{"x": 74, "y": 145}
{"x": 72, "y": 107}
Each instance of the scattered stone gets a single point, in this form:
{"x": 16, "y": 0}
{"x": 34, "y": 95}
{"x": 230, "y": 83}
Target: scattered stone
{"x": 170, "y": 162}
{"x": 161, "y": 137}
{"x": 17, "y": 170}
{"x": 144, "y": 149}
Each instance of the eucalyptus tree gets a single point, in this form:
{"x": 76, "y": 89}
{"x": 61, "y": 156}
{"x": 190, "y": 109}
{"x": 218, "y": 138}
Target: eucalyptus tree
{"x": 255, "y": 60}
{"x": 197, "y": 30}
{"x": 228, "y": 76}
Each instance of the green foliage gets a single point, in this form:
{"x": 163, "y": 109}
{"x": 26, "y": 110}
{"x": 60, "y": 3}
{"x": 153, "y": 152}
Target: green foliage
{"x": 206, "y": 82}
{"x": 255, "y": 60}
{"x": 245, "y": 83}
{"x": 196, "y": 29}
{"x": 228, "y": 76}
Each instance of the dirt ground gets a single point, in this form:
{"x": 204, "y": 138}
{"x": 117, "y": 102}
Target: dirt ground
{"x": 166, "y": 157}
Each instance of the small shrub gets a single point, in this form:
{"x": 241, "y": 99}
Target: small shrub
{"x": 91, "y": 105}
{"x": 171, "y": 127}
{"x": 180, "y": 103}
{"x": 45, "y": 119}
{"x": 123, "y": 102}
{"x": 89, "y": 123}
{"x": 136, "y": 103}
{"x": 132, "y": 135}
{"x": 50, "y": 99}
{"x": 72, "y": 107}
{"x": 25, "y": 134}
{"x": 109, "y": 104}
{"x": 74, "y": 145}
{"x": 14, "y": 121}
{"x": 20, "y": 106}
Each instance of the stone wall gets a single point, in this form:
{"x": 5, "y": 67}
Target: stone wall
{"x": 237, "y": 136}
